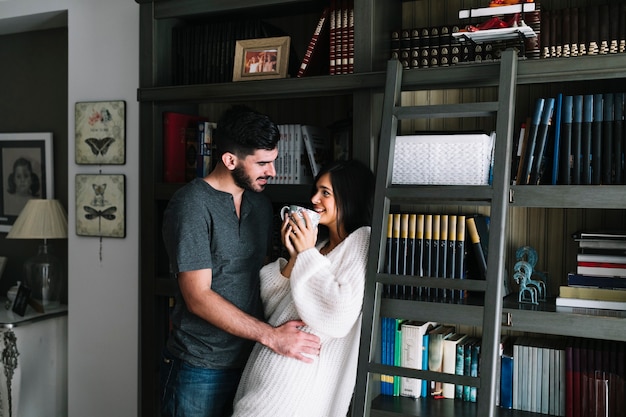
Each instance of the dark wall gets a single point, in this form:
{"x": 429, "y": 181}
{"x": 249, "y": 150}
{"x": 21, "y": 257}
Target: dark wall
{"x": 33, "y": 91}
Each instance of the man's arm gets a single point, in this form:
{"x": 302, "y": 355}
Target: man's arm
{"x": 201, "y": 300}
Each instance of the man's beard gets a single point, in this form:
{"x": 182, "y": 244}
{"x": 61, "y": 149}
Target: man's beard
{"x": 244, "y": 181}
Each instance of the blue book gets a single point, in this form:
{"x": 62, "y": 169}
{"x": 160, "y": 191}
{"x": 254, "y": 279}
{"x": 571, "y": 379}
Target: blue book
{"x": 597, "y": 139}
{"x": 425, "y": 382}
{"x": 531, "y": 142}
{"x": 506, "y": 380}
{"x": 586, "y": 135}
{"x": 580, "y": 280}
{"x": 556, "y": 158}
{"x": 538, "y": 162}
{"x": 618, "y": 132}
{"x": 577, "y": 123}
{"x": 607, "y": 138}
{"x": 566, "y": 158}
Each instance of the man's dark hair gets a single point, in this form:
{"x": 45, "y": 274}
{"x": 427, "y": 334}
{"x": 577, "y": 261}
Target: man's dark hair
{"x": 353, "y": 186}
{"x": 241, "y": 131}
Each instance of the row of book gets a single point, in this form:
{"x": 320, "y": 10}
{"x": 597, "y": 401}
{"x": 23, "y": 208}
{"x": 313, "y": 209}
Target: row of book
{"x": 434, "y": 245}
{"x": 435, "y": 46}
{"x": 303, "y": 149}
{"x": 205, "y": 53}
{"x": 596, "y": 29}
{"x": 573, "y": 377}
{"x": 331, "y": 48}
{"x": 598, "y": 286}
{"x": 572, "y": 139}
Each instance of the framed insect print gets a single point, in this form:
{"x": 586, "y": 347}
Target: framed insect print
{"x": 100, "y": 132}
{"x": 26, "y": 172}
{"x": 100, "y": 205}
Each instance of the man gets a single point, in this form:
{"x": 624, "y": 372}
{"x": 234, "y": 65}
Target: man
{"x": 216, "y": 231}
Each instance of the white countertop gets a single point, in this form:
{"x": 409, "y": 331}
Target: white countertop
{"x": 9, "y": 319}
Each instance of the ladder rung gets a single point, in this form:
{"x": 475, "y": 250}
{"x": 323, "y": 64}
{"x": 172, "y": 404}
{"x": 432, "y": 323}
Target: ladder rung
{"x": 377, "y": 368}
{"x": 432, "y": 282}
{"x": 471, "y": 315}
{"x": 448, "y": 193}
{"x": 481, "y": 109}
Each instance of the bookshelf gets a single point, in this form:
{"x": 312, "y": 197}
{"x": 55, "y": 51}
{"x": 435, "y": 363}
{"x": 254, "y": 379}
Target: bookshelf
{"x": 541, "y": 216}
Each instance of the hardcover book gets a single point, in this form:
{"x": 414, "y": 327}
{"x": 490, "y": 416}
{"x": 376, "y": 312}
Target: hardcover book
{"x": 316, "y": 57}
{"x": 179, "y": 130}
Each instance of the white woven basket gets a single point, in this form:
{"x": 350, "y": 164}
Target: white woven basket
{"x": 457, "y": 159}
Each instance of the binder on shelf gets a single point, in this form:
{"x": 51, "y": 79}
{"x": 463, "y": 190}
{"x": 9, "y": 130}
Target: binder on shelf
{"x": 618, "y": 137}
{"x": 541, "y": 141}
{"x": 597, "y": 140}
{"x": 607, "y": 138}
{"x": 577, "y": 135}
{"x": 566, "y": 158}
{"x": 532, "y": 140}
{"x": 586, "y": 138}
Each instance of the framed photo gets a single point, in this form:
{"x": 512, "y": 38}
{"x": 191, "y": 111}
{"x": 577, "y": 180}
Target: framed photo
{"x": 101, "y": 205}
{"x": 261, "y": 59}
{"x": 26, "y": 170}
{"x": 100, "y": 133}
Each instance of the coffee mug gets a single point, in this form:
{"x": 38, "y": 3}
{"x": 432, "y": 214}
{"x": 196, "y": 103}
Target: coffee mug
{"x": 298, "y": 210}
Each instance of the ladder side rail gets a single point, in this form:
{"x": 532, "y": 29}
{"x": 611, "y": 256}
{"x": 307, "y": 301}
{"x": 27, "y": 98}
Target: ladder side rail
{"x": 497, "y": 232}
{"x": 370, "y": 337}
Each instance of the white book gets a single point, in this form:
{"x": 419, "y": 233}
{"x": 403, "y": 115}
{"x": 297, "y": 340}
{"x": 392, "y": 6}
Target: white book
{"x": 601, "y": 272}
{"x": 598, "y": 257}
{"x": 317, "y": 144}
{"x": 449, "y": 361}
{"x": 495, "y": 11}
{"x": 585, "y": 303}
{"x": 412, "y": 343}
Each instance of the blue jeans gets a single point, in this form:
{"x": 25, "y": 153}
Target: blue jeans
{"x": 190, "y": 391}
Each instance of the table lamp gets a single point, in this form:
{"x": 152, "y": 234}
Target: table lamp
{"x": 42, "y": 219}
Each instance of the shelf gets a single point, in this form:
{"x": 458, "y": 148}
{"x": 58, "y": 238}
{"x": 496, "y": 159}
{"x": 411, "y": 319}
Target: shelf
{"x": 585, "y": 68}
{"x": 187, "y": 8}
{"x": 569, "y": 196}
{"x": 543, "y": 318}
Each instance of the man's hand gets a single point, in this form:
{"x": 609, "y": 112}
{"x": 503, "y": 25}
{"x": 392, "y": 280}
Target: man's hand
{"x": 290, "y": 341}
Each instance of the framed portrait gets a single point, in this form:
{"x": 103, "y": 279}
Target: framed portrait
{"x": 27, "y": 172}
{"x": 100, "y": 132}
{"x": 261, "y": 59}
{"x": 101, "y": 205}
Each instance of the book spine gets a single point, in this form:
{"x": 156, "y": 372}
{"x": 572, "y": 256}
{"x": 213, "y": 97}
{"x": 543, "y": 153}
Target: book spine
{"x": 419, "y": 251}
{"x": 532, "y": 139}
{"x": 542, "y": 137}
{"x": 411, "y": 268}
{"x": 558, "y": 116}
{"x": 460, "y": 255}
{"x": 451, "y": 253}
{"x": 607, "y": 138}
{"x": 566, "y": 160}
{"x": 313, "y": 43}
{"x": 587, "y": 139}
{"x": 476, "y": 247}
{"x": 597, "y": 140}
{"x": 577, "y": 122}
{"x": 618, "y": 137}
{"x": 595, "y": 281}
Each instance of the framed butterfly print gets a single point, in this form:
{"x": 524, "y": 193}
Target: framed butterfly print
{"x": 26, "y": 172}
{"x": 100, "y": 132}
{"x": 101, "y": 205}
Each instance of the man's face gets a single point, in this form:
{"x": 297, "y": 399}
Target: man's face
{"x": 253, "y": 172}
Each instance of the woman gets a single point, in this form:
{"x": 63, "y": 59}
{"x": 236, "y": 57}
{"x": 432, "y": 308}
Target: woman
{"x": 323, "y": 286}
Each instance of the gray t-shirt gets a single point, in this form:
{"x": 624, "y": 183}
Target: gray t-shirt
{"x": 201, "y": 230}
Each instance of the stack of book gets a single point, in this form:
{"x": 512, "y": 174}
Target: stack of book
{"x": 599, "y": 285}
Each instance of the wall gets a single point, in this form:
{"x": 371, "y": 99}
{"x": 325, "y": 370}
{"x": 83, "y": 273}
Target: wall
{"x": 103, "y": 55}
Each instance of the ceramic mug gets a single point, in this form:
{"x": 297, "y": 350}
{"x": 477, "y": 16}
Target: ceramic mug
{"x": 294, "y": 209}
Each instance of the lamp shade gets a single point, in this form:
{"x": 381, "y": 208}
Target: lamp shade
{"x": 40, "y": 219}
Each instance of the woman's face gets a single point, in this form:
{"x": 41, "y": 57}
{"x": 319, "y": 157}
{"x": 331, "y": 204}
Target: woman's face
{"x": 324, "y": 202}
{"x": 22, "y": 180}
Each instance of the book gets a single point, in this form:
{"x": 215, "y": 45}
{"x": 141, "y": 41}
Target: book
{"x": 586, "y": 139}
{"x": 316, "y": 57}
{"x": 425, "y": 344}
{"x": 607, "y": 270}
{"x": 474, "y": 367}
{"x": 506, "y": 376}
{"x": 605, "y": 294}
{"x": 459, "y": 263}
{"x": 518, "y": 148}
{"x": 317, "y": 144}
{"x": 205, "y": 145}
{"x": 467, "y": 367}
{"x": 451, "y": 254}
{"x": 597, "y": 139}
{"x": 607, "y": 138}
{"x": 601, "y": 257}
{"x": 595, "y": 281}
{"x": 535, "y": 121}
{"x": 556, "y": 158}
{"x": 577, "y": 123}
{"x": 584, "y": 303}
{"x": 411, "y": 268}
{"x": 477, "y": 248}
{"x": 427, "y": 253}
{"x": 618, "y": 137}
{"x": 435, "y": 355}
{"x": 434, "y": 254}
{"x": 412, "y": 350}
{"x": 397, "y": 355}
{"x": 443, "y": 249}
{"x": 179, "y": 131}
{"x": 460, "y": 369}
{"x": 449, "y": 361}
{"x": 566, "y": 158}
{"x": 541, "y": 141}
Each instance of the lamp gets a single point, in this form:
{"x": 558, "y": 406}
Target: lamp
{"x": 42, "y": 219}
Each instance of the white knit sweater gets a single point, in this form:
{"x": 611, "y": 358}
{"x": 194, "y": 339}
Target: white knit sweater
{"x": 326, "y": 292}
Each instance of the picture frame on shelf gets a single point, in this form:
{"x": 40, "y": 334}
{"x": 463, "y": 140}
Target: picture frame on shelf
{"x": 101, "y": 205}
{"x": 100, "y": 132}
{"x": 27, "y": 172}
{"x": 261, "y": 59}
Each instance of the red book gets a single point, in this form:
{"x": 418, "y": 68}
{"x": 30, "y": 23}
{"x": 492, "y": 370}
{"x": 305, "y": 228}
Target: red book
{"x": 334, "y": 44}
{"x": 177, "y": 129}
{"x": 316, "y": 57}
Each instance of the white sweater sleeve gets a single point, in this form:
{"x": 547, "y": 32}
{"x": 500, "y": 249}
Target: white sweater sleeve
{"x": 328, "y": 290}
{"x": 274, "y": 286}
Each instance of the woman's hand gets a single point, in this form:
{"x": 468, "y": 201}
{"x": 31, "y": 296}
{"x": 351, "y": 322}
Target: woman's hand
{"x": 298, "y": 234}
